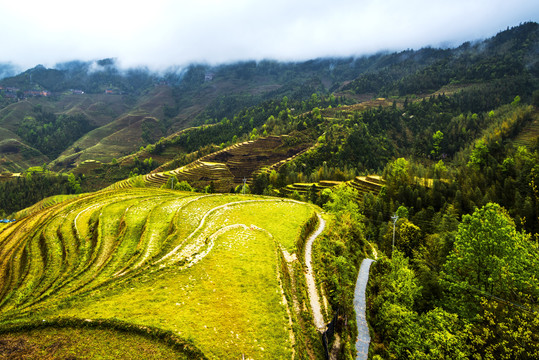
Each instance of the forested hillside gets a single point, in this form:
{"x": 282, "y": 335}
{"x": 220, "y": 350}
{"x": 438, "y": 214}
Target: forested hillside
{"x": 123, "y": 110}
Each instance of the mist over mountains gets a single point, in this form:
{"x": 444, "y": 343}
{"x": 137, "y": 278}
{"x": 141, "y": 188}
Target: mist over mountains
{"x": 110, "y": 103}
{"x": 7, "y": 70}
{"x": 94, "y": 76}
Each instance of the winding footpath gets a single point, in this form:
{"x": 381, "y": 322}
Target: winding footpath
{"x": 363, "y": 337}
{"x": 309, "y": 275}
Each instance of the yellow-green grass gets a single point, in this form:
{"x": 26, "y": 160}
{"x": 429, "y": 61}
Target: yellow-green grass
{"x": 72, "y": 343}
{"x": 205, "y": 267}
{"x": 45, "y": 203}
{"x": 229, "y": 303}
{"x": 284, "y": 223}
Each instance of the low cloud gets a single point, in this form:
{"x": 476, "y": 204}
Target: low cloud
{"x": 163, "y": 33}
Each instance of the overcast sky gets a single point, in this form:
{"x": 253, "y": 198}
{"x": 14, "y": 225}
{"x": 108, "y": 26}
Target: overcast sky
{"x": 161, "y": 33}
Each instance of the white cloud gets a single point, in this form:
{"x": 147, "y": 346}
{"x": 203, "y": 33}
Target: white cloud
{"x": 161, "y": 33}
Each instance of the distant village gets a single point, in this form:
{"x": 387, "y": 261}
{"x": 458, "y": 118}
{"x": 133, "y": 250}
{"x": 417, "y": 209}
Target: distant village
{"x": 13, "y": 92}
{"x": 16, "y": 93}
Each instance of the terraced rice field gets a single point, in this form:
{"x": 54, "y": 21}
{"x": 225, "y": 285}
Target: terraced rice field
{"x": 366, "y": 184}
{"x": 205, "y": 267}
{"x": 363, "y": 184}
{"x": 528, "y": 136}
{"x": 226, "y": 168}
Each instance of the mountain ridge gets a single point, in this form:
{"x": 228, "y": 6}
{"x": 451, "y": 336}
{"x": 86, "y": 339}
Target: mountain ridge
{"x": 105, "y": 95}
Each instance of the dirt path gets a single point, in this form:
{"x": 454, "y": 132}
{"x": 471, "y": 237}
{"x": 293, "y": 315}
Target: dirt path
{"x": 185, "y": 251}
{"x": 309, "y": 275}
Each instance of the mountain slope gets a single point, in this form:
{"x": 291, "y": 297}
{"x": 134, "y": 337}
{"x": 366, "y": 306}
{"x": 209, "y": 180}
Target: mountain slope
{"x": 506, "y": 64}
{"x": 206, "y": 267}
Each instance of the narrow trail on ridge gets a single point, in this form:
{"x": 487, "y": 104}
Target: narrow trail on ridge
{"x": 309, "y": 276}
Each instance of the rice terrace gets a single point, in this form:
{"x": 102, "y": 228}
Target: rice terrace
{"x": 203, "y": 271}
{"x": 232, "y": 210}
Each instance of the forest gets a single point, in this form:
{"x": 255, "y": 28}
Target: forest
{"x": 52, "y": 134}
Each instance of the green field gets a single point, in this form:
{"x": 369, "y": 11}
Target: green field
{"x": 70, "y": 343}
{"x": 206, "y": 268}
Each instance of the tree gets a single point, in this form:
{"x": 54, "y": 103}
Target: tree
{"x": 409, "y": 236}
{"x": 439, "y": 170}
{"x": 138, "y": 181}
{"x": 516, "y": 101}
{"x": 396, "y": 174}
{"x": 437, "y": 139}
{"x": 479, "y": 154}
{"x": 210, "y": 188}
{"x": 171, "y": 182}
{"x": 436, "y": 334}
{"x": 402, "y": 212}
{"x": 284, "y": 103}
{"x": 343, "y": 199}
{"x": 242, "y": 189}
{"x": 490, "y": 258}
{"x": 183, "y": 186}
{"x": 502, "y": 331}
{"x": 397, "y": 290}
{"x": 74, "y": 184}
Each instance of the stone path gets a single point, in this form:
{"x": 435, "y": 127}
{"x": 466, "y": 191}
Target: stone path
{"x": 364, "y": 339}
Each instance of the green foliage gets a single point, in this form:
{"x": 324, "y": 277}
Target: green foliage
{"x": 408, "y": 237}
{"x": 210, "y": 188}
{"x": 408, "y": 334}
{"x": 74, "y": 184}
{"x": 436, "y": 334}
{"x": 500, "y": 264}
{"x": 21, "y": 192}
{"x": 398, "y": 170}
{"x": 52, "y": 134}
{"x": 490, "y": 257}
{"x": 402, "y": 212}
{"x": 341, "y": 250}
{"x": 138, "y": 181}
{"x": 305, "y": 231}
{"x": 503, "y": 58}
{"x": 243, "y": 189}
{"x": 183, "y": 186}
{"x": 400, "y": 285}
{"x": 478, "y": 157}
{"x": 440, "y": 170}
{"x": 343, "y": 199}
{"x": 502, "y": 331}
{"x": 437, "y": 139}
